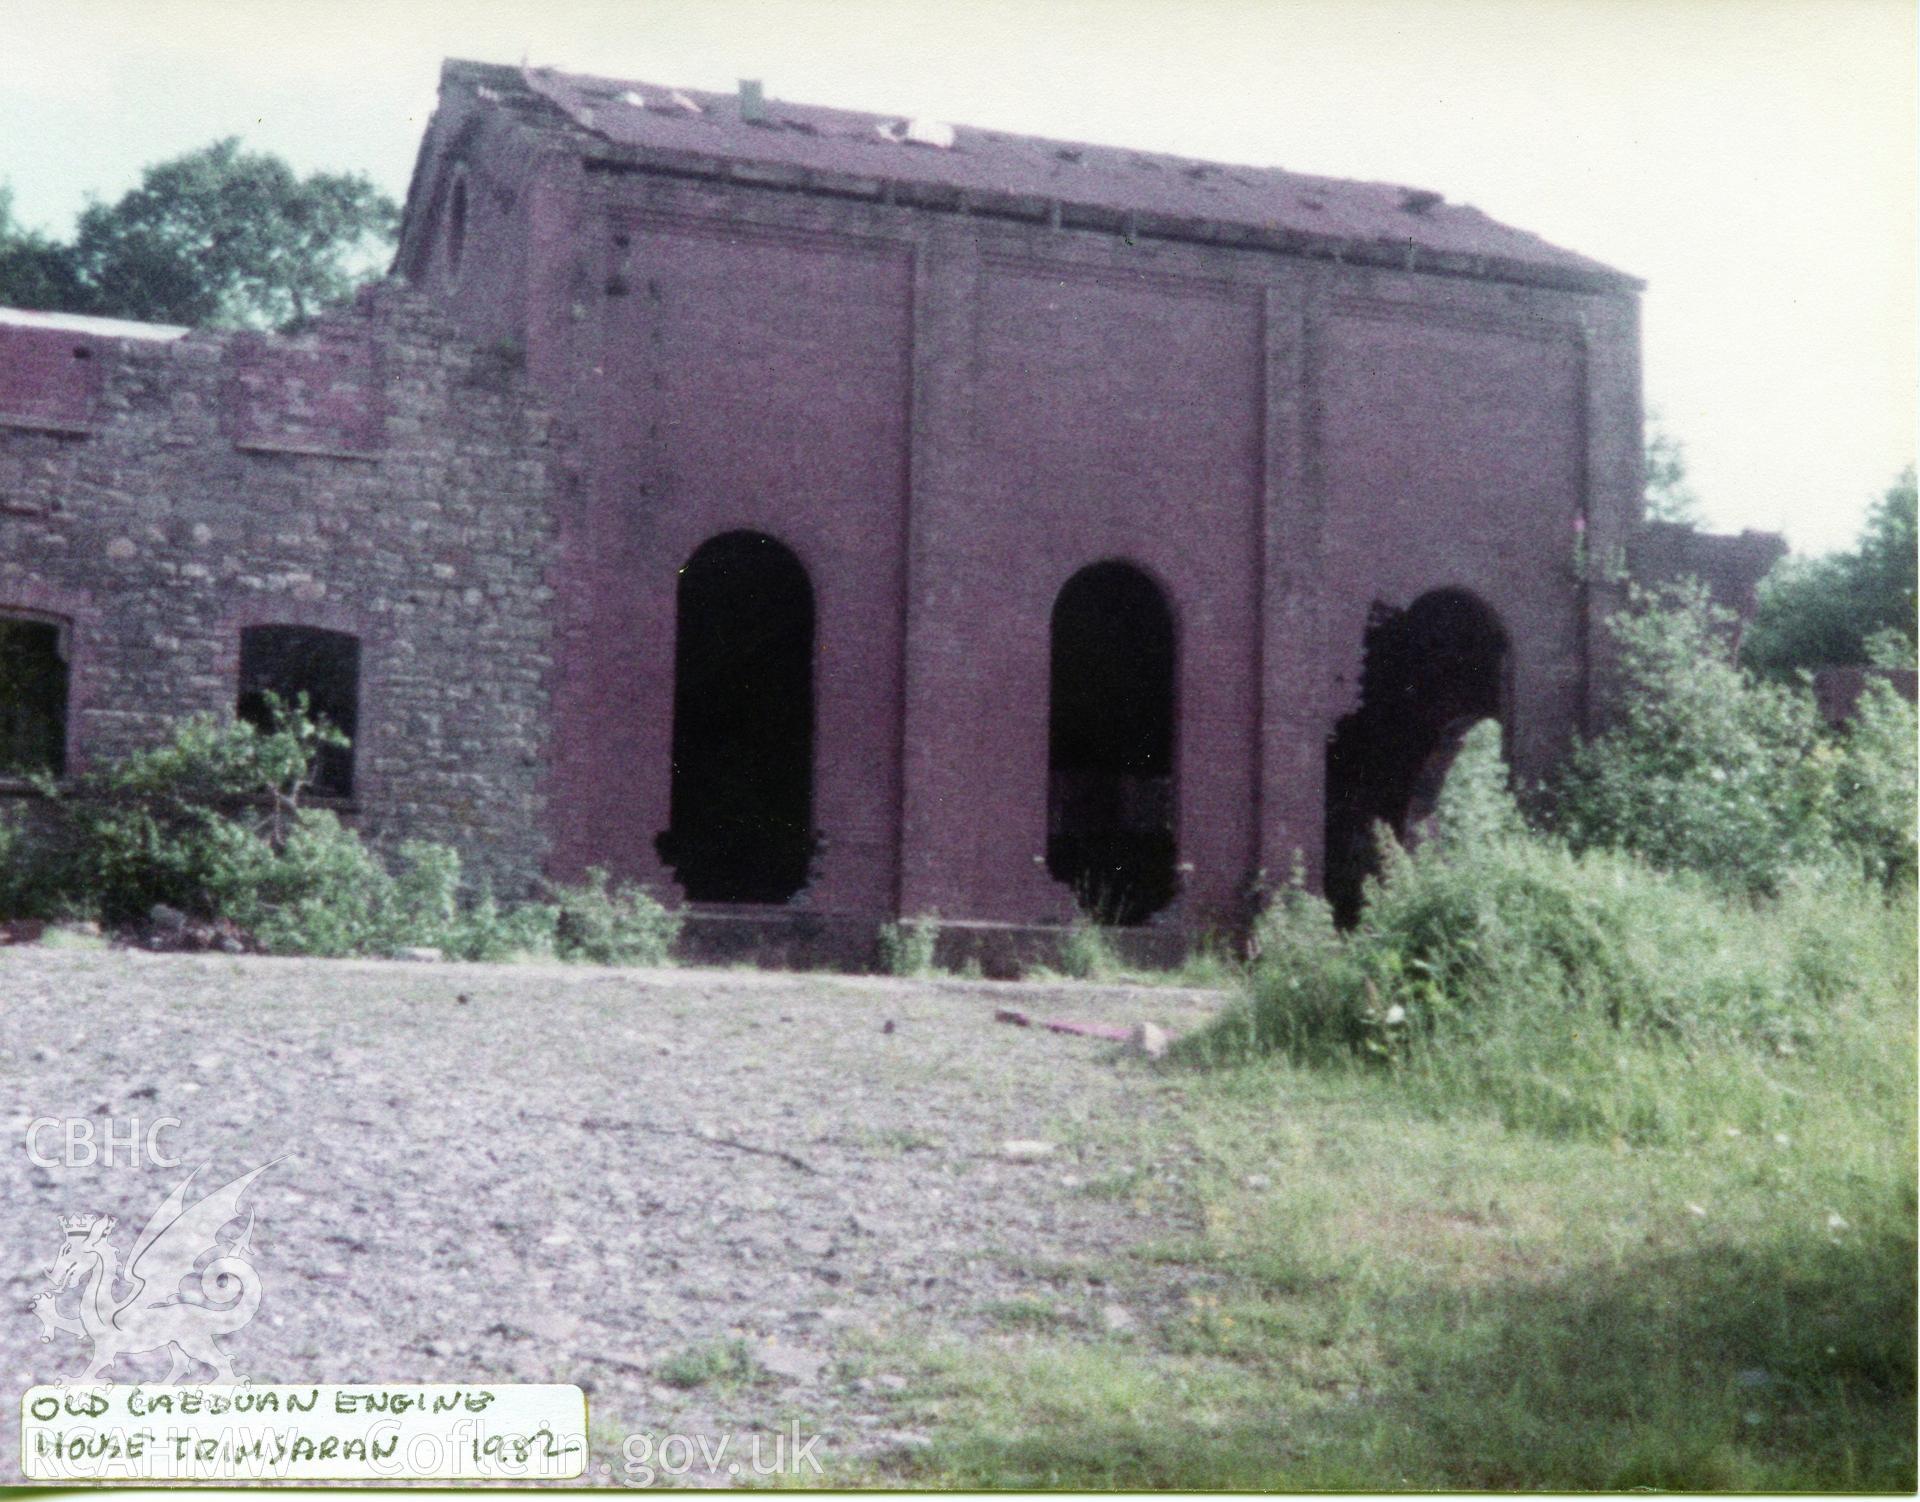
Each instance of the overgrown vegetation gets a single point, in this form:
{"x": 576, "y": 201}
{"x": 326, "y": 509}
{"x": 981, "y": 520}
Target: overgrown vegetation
{"x": 906, "y": 947}
{"x": 1855, "y": 607}
{"x": 211, "y": 825}
{"x": 611, "y": 924}
{"x": 1718, "y": 881}
{"x": 1586, "y": 1160}
{"x": 1086, "y": 953}
{"x": 1711, "y": 771}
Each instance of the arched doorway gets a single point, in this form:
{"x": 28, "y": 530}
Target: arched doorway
{"x": 1110, "y": 737}
{"x": 1430, "y": 672}
{"x": 741, "y": 822}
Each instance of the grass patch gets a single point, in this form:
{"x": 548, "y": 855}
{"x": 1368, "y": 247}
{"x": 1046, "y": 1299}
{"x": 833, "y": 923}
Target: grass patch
{"x": 1024, "y": 1314}
{"x": 713, "y": 1363}
{"x": 63, "y": 936}
{"x": 1087, "y": 952}
{"x": 1576, "y": 1223}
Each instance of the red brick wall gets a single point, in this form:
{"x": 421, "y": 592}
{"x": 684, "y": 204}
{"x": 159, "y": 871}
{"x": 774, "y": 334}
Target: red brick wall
{"x": 1453, "y": 454}
{"x": 740, "y": 382}
{"x": 945, "y": 417}
{"x": 1108, "y": 417}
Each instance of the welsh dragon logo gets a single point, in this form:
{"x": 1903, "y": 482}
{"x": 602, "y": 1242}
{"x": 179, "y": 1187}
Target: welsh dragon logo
{"x": 153, "y": 1312}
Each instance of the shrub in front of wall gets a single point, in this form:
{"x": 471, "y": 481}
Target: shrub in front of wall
{"x": 1704, "y": 768}
{"x": 1876, "y": 813}
{"x": 605, "y": 923}
{"x": 1504, "y": 958}
{"x": 186, "y": 823}
{"x": 907, "y": 947}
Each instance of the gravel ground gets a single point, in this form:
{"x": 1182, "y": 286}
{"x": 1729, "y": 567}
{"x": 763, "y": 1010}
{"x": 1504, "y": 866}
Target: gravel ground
{"x": 545, "y": 1174}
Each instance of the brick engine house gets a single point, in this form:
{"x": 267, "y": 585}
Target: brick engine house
{"x": 825, "y": 517}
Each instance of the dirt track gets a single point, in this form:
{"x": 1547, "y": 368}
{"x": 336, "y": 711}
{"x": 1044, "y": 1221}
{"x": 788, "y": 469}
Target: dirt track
{"x": 575, "y": 1174}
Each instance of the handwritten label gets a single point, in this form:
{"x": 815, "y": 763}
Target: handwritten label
{"x": 304, "y": 1432}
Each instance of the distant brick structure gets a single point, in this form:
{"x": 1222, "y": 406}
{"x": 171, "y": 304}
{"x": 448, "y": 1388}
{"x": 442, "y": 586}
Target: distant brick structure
{"x": 164, "y": 495}
{"x": 1731, "y": 568}
{"x": 932, "y": 519}
{"x": 1837, "y": 690}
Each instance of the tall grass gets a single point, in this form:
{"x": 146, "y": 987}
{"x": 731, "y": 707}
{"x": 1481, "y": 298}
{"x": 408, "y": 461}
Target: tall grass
{"x": 1572, "y": 994}
{"x": 1558, "y": 1171}
{"x": 1503, "y": 1256}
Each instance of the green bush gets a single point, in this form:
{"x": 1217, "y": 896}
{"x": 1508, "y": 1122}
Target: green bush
{"x": 605, "y": 924}
{"x": 184, "y": 823}
{"x": 323, "y": 892}
{"x": 1875, "y": 809}
{"x": 210, "y": 822}
{"x": 487, "y": 931}
{"x": 1564, "y": 989}
{"x": 30, "y": 886}
{"x": 1703, "y": 769}
{"x": 320, "y": 892}
{"x": 906, "y": 948}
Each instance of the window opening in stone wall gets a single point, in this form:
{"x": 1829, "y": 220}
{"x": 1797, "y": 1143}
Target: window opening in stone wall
{"x": 741, "y": 817}
{"x": 33, "y": 697}
{"x": 1430, "y": 673}
{"x": 288, "y": 662}
{"x": 1110, "y": 744}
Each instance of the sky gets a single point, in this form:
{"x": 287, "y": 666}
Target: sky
{"x": 1753, "y": 160}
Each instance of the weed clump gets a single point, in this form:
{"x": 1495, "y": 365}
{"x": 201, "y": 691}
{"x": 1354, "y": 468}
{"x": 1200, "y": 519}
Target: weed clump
{"x": 1086, "y": 953}
{"x": 604, "y": 923}
{"x": 724, "y": 1363}
{"x": 907, "y": 947}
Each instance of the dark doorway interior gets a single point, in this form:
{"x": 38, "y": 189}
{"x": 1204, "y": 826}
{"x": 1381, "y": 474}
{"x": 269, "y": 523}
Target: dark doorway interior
{"x": 33, "y": 698}
{"x": 1430, "y": 671}
{"x": 1110, "y": 744}
{"x": 323, "y": 667}
{"x": 741, "y": 822}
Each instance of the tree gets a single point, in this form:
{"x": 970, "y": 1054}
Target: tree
{"x": 1702, "y": 767}
{"x": 1845, "y": 608}
{"x": 219, "y": 237}
{"x": 1884, "y": 566}
{"x": 35, "y": 271}
{"x": 1669, "y": 497}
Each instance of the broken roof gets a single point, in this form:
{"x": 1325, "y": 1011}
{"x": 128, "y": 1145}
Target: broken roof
{"x": 747, "y": 136}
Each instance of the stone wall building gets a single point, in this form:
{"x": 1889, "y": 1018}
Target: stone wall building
{"x": 363, "y": 512}
{"x": 930, "y": 519}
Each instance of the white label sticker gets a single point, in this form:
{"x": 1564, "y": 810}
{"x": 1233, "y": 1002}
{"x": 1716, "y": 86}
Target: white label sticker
{"x": 304, "y": 1432}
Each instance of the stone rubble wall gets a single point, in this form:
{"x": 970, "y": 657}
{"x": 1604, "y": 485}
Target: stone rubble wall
{"x": 374, "y": 475}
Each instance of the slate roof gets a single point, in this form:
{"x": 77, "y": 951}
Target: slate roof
{"x": 992, "y": 171}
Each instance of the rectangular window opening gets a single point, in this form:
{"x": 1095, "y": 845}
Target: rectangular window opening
{"x": 324, "y": 666}
{"x": 33, "y": 697}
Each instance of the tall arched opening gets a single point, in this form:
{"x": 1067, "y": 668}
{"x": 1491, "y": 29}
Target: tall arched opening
{"x": 1430, "y": 673}
{"x": 1110, "y": 794}
{"x": 741, "y": 821}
